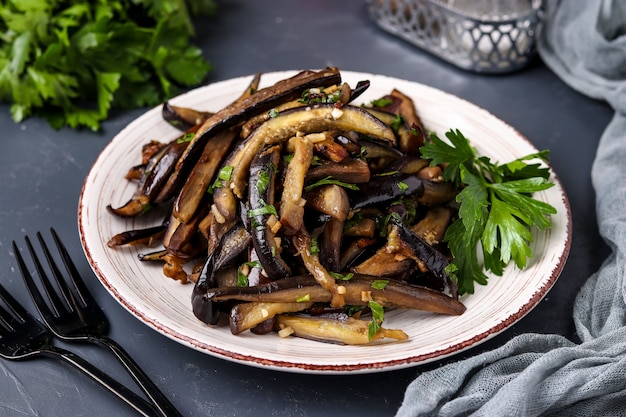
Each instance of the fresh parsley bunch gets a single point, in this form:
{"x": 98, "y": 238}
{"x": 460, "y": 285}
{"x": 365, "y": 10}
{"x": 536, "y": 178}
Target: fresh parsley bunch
{"x": 71, "y": 61}
{"x": 496, "y": 209}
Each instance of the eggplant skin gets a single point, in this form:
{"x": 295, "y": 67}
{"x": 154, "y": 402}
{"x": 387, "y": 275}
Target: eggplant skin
{"x": 205, "y": 310}
{"x": 248, "y": 315}
{"x": 386, "y": 188}
{"x": 434, "y": 260}
{"x": 300, "y": 119}
{"x": 183, "y": 118}
{"x": 262, "y": 100}
{"x": 358, "y": 291}
{"x": 297, "y": 174}
{"x": 139, "y": 236}
{"x": 261, "y": 197}
{"x": 233, "y": 242}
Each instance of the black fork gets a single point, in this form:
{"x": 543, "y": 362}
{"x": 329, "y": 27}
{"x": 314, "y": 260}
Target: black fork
{"x": 23, "y": 337}
{"x": 73, "y": 315}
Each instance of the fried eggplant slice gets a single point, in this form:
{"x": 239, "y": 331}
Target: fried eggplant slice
{"x": 344, "y": 330}
{"x": 302, "y": 242}
{"x": 183, "y": 118}
{"x": 359, "y": 290}
{"x": 262, "y": 213}
{"x": 234, "y": 242}
{"x": 262, "y": 100}
{"x": 155, "y": 175}
{"x": 386, "y": 188}
{"x": 298, "y": 121}
{"x": 291, "y": 201}
{"x": 147, "y": 236}
{"x": 195, "y": 189}
{"x": 247, "y": 315}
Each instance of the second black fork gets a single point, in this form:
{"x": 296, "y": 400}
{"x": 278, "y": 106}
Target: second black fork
{"x": 72, "y": 314}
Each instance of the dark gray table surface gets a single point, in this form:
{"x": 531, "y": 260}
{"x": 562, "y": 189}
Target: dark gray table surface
{"x": 42, "y": 171}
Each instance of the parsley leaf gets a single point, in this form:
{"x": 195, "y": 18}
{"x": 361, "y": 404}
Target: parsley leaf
{"x": 72, "y": 62}
{"x": 454, "y": 155}
{"x": 496, "y": 209}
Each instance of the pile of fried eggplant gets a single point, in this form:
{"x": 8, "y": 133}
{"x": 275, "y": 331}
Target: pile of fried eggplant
{"x": 299, "y": 211}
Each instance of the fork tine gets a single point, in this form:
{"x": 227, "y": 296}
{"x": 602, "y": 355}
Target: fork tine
{"x": 19, "y": 313}
{"x": 5, "y": 321}
{"x": 78, "y": 282}
{"x": 42, "y": 306}
{"x": 68, "y": 295}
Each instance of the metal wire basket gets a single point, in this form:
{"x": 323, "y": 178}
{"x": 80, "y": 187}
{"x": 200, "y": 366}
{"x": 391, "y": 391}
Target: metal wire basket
{"x": 478, "y": 35}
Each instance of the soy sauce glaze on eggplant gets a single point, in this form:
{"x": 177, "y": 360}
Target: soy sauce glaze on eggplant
{"x": 302, "y": 203}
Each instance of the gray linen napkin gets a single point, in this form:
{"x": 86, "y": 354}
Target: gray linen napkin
{"x": 584, "y": 43}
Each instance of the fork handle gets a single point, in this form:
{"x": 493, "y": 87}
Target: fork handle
{"x": 140, "y": 405}
{"x": 160, "y": 401}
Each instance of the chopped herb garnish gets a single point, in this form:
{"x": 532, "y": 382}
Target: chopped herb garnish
{"x": 381, "y": 102}
{"x": 395, "y": 124}
{"x": 263, "y": 210}
{"x": 187, "y": 137}
{"x": 242, "y": 279}
{"x": 263, "y": 181}
{"x": 256, "y": 224}
{"x": 378, "y": 316}
{"x": 223, "y": 176}
{"x": 384, "y": 222}
{"x": 319, "y": 97}
{"x": 314, "y": 247}
{"x": 386, "y": 174}
{"x": 330, "y": 180}
{"x": 225, "y": 173}
{"x": 304, "y": 298}
{"x": 273, "y": 113}
{"x": 380, "y": 284}
{"x": 402, "y": 186}
{"x": 341, "y": 277}
{"x": 315, "y": 161}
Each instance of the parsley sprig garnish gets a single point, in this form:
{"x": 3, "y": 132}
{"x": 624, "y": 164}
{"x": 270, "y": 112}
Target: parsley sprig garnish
{"x": 497, "y": 211}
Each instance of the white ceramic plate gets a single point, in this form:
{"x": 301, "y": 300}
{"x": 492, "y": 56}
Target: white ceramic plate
{"x": 164, "y": 304}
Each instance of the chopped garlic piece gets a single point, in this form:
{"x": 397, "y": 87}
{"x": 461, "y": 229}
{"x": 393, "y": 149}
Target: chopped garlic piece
{"x": 286, "y": 332}
{"x": 316, "y": 137}
{"x": 336, "y": 113}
